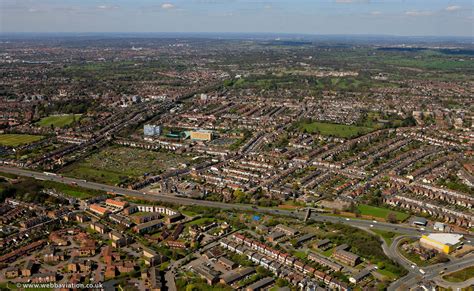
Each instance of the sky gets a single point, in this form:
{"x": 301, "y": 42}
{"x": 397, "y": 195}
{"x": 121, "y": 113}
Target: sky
{"x": 378, "y": 17}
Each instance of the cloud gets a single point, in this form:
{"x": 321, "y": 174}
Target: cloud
{"x": 418, "y": 13}
{"x": 107, "y": 7}
{"x": 375, "y": 13}
{"x": 452, "y": 8}
{"x": 167, "y": 6}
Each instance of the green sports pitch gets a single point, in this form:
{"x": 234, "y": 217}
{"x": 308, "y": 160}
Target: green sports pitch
{"x": 58, "y": 120}
{"x": 14, "y": 140}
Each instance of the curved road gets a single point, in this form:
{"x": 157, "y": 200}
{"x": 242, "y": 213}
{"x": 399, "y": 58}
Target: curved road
{"x": 417, "y": 275}
{"x": 414, "y": 277}
{"x": 404, "y": 229}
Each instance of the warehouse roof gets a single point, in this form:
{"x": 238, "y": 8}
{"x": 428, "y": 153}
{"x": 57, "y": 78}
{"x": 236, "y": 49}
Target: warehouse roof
{"x": 446, "y": 238}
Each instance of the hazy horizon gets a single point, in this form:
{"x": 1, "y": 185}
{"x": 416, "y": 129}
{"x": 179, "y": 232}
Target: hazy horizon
{"x": 328, "y": 17}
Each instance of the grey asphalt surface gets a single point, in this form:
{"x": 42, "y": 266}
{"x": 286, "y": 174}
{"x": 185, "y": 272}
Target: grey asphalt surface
{"x": 400, "y": 228}
{"x": 412, "y": 279}
{"x": 415, "y": 274}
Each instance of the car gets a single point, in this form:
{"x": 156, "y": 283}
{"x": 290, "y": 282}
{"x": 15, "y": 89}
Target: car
{"x": 371, "y": 225}
{"x": 374, "y": 221}
{"x": 347, "y": 219}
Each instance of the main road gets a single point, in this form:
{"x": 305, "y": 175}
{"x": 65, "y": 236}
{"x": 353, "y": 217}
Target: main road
{"x": 417, "y": 275}
{"x": 414, "y": 277}
{"x": 400, "y": 228}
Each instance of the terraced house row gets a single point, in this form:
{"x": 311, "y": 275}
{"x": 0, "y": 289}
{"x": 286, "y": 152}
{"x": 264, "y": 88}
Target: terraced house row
{"x": 280, "y": 263}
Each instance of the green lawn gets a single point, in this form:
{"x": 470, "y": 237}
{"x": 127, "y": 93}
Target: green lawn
{"x": 300, "y": 254}
{"x": 381, "y": 212}
{"x": 189, "y": 213}
{"x": 8, "y": 175}
{"x": 58, "y": 120}
{"x": 77, "y": 194}
{"x": 331, "y": 129}
{"x": 72, "y": 191}
{"x": 461, "y": 275}
{"x": 387, "y": 236}
{"x": 201, "y": 221}
{"x": 14, "y": 140}
{"x": 387, "y": 274}
{"x": 328, "y": 252}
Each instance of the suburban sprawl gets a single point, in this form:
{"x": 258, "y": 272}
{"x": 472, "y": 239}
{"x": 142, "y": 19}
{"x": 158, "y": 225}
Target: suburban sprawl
{"x": 195, "y": 163}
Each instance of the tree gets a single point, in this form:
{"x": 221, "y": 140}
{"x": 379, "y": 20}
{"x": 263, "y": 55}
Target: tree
{"x": 357, "y": 213}
{"x": 392, "y": 217}
{"x": 281, "y": 282}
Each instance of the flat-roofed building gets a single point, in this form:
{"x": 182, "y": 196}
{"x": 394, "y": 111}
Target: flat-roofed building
{"x": 442, "y": 242}
{"x": 201, "y": 135}
{"x": 151, "y": 130}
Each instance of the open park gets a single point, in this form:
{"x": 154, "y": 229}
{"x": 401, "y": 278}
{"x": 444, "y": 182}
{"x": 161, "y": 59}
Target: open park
{"x": 58, "y": 120}
{"x": 14, "y": 140}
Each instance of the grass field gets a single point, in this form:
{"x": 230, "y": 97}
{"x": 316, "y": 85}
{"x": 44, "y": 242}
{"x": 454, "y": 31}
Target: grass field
{"x": 461, "y": 275}
{"x": 201, "y": 221}
{"x": 381, "y": 212}
{"x": 337, "y": 130}
{"x": 72, "y": 191}
{"x": 58, "y": 120}
{"x": 14, "y": 140}
{"x": 387, "y": 236}
{"x": 387, "y": 274}
{"x": 8, "y": 175}
{"x": 300, "y": 254}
